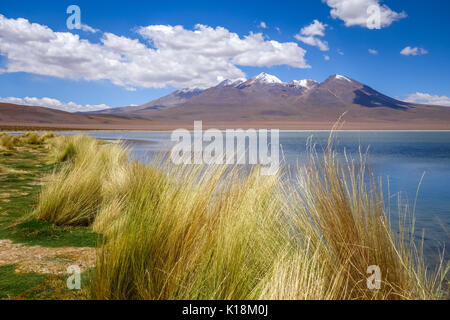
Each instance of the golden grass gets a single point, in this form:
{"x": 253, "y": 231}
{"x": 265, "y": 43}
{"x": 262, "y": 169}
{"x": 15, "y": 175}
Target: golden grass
{"x": 74, "y": 194}
{"x": 7, "y": 170}
{"x": 8, "y": 142}
{"x": 218, "y": 232}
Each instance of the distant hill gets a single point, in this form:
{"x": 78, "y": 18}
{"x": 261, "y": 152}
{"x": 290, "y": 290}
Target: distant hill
{"x": 28, "y": 116}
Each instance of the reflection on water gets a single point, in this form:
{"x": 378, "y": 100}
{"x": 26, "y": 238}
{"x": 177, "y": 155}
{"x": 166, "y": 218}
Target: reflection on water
{"x": 401, "y": 158}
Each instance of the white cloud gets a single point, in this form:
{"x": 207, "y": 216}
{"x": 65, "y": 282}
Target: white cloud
{"x": 361, "y": 13}
{"x": 340, "y": 52}
{"x": 426, "y": 98}
{"x": 263, "y": 25}
{"x": 87, "y": 28}
{"x": 327, "y": 58}
{"x": 416, "y": 51}
{"x": 178, "y": 57}
{"x": 310, "y": 33}
{"x": 373, "y": 51}
{"x": 316, "y": 28}
{"x": 54, "y": 104}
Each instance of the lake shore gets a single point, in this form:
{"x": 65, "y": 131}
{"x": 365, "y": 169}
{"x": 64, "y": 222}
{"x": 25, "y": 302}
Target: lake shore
{"x": 130, "y": 125}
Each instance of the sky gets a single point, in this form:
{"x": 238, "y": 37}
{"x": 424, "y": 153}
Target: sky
{"x": 129, "y": 53}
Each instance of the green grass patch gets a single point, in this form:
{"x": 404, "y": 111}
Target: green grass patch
{"x": 19, "y": 192}
{"x": 54, "y": 287}
{"x": 43, "y": 233}
{"x": 12, "y": 284}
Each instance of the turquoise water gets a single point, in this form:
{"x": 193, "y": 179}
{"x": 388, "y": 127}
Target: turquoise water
{"x": 401, "y": 158}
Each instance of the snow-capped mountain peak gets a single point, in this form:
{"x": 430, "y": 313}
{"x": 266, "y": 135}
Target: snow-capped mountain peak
{"x": 266, "y": 78}
{"x": 305, "y": 83}
{"x": 224, "y": 83}
{"x": 230, "y": 83}
{"x": 238, "y": 82}
{"x": 189, "y": 90}
{"x": 340, "y": 77}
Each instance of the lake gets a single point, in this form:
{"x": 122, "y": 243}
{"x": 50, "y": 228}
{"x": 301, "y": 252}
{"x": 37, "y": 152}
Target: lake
{"x": 400, "y": 157}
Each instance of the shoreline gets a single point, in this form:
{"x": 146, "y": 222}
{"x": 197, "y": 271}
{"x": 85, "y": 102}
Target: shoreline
{"x": 284, "y": 127}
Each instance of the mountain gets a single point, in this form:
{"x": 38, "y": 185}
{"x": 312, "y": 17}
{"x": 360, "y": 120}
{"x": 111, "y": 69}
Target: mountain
{"x": 226, "y": 83}
{"x": 267, "y": 98}
{"x": 306, "y": 83}
{"x": 262, "y": 101}
{"x": 341, "y": 91}
{"x": 173, "y": 99}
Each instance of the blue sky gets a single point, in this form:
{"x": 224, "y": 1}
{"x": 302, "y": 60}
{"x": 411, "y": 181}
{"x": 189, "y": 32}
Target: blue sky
{"x": 423, "y": 69}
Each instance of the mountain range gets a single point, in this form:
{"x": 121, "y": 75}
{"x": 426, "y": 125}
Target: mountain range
{"x": 265, "y": 100}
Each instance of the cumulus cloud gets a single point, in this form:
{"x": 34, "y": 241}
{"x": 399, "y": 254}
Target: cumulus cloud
{"x": 310, "y": 33}
{"x": 426, "y": 98}
{"x": 416, "y": 51}
{"x": 263, "y": 25}
{"x": 53, "y": 104}
{"x": 373, "y": 51}
{"x": 175, "y": 56}
{"x": 364, "y": 13}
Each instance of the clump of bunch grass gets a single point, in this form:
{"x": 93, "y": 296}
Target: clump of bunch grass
{"x": 341, "y": 226}
{"x": 219, "y": 232}
{"x": 7, "y": 142}
{"x": 73, "y": 195}
{"x": 35, "y": 138}
{"x": 30, "y": 138}
{"x": 184, "y": 235}
{"x": 65, "y": 148}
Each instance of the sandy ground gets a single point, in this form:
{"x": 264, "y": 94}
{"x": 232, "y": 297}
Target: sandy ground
{"x": 37, "y": 259}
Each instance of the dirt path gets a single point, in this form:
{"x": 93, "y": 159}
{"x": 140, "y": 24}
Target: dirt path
{"x": 45, "y": 260}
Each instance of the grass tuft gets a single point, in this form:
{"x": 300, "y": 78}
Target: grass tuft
{"x": 7, "y": 142}
{"x": 73, "y": 195}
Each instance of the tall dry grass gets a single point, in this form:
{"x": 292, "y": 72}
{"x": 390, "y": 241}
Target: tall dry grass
{"x": 74, "y": 194}
{"x": 8, "y": 142}
{"x": 189, "y": 234}
{"x": 218, "y": 232}
{"x": 341, "y": 228}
